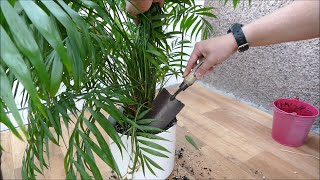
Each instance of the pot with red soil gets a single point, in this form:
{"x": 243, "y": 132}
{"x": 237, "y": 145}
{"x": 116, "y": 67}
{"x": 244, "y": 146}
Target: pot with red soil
{"x": 292, "y": 121}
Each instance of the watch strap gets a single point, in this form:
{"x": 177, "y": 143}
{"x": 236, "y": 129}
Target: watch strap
{"x": 239, "y": 36}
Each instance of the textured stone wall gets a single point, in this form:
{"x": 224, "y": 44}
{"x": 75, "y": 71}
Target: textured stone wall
{"x": 263, "y": 74}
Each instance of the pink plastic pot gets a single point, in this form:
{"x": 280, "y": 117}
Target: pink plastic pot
{"x": 292, "y": 121}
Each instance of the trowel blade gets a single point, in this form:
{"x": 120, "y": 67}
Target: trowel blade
{"x": 164, "y": 109}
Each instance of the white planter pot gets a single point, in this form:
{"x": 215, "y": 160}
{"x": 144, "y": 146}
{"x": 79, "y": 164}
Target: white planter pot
{"x": 166, "y": 163}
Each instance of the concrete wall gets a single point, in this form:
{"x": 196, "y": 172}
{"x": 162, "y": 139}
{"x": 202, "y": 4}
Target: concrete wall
{"x": 261, "y": 75}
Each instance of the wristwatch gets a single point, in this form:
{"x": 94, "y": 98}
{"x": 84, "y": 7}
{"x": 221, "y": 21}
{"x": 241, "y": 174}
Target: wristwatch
{"x": 237, "y": 32}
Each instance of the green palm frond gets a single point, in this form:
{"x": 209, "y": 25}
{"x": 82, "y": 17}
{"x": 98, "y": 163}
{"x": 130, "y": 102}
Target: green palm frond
{"x": 65, "y": 52}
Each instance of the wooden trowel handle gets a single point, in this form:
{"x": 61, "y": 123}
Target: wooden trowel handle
{"x": 188, "y": 80}
{"x": 191, "y": 77}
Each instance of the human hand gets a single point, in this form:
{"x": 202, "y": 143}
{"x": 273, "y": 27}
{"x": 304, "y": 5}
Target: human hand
{"x": 135, "y": 7}
{"x": 214, "y": 50}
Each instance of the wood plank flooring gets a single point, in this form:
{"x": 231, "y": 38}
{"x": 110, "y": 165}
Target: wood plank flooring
{"x": 234, "y": 139}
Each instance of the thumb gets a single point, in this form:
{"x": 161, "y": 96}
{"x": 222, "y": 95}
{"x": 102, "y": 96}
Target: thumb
{"x": 203, "y": 69}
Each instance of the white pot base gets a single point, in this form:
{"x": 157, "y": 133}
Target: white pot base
{"x": 166, "y": 163}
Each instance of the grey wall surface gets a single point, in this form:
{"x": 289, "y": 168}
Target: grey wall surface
{"x": 263, "y": 74}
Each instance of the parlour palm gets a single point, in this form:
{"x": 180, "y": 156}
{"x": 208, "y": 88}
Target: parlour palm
{"x": 63, "y": 52}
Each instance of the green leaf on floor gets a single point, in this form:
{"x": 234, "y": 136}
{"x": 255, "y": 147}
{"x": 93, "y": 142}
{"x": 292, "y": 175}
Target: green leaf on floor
{"x": 191, "y": 141}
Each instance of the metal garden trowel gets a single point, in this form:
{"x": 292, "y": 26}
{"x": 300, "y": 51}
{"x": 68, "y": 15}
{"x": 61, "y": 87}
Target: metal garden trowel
{"x": 164, "y": 110}
{"x": 165, "y": 106}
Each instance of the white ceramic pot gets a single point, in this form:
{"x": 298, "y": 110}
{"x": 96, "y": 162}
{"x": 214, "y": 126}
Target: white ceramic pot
{"x": 166, "y": 163}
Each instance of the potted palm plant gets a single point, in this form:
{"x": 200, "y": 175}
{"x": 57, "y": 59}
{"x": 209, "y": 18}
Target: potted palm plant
{"x": 64, "y": 53}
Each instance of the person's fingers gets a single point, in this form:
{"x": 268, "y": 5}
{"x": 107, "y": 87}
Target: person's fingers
{"x": 130, "y": 9}
{"x": 191, "y": 63}
{"x": 136, "y": 21}
{"x": 161, "y": 3}
{"x": 135, "y": 7}
{"x": 203, "y": 69}
{"x": 206, "y": 67}
{"x": 195, "y": 55}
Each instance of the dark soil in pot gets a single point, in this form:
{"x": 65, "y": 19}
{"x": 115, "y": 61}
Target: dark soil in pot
{"x": 291, "y": 106}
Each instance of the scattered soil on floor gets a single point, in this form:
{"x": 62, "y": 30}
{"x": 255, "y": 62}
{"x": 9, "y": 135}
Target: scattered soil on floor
{"x": 190, "y": 163}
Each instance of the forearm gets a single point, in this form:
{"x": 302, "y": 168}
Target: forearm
{"x": 297, "y": 21}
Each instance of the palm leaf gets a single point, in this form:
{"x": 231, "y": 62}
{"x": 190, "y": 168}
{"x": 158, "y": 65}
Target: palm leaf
{"x": 12, "y": 58}
{"x": 96, "y": 54}
{"x": 191, "y": 141}
{"x": 108, "y": 127}
{"x": 147, "y": 159}
{"x": 7, "y": 97}
{"x": 46, "y": 27}
{"x": 103, "y": 144}
{"x": 153, "y": 145}
{"x": 6, "y": 121}
{"x": 154, "y": 152}
{"x": 24, "y": 41}
{"x": 93, "y": 167}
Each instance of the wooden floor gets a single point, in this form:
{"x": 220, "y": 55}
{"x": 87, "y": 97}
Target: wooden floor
{"x": 234, "y": 139}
